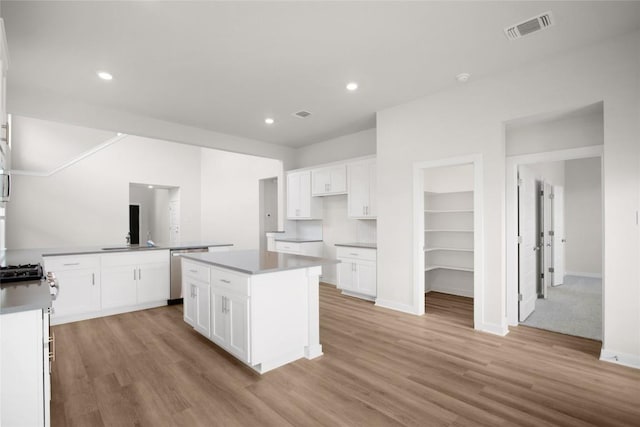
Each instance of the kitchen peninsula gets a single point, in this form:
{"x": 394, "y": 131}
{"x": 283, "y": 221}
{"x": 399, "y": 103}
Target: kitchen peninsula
{"x": 260, "y": 306}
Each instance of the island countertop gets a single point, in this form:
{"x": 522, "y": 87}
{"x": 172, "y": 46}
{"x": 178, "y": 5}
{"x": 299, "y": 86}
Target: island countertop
{"x": 258, "y": 262}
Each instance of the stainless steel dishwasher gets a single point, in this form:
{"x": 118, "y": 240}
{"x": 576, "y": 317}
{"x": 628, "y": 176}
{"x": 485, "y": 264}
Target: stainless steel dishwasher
{"x": 176, "y": 272}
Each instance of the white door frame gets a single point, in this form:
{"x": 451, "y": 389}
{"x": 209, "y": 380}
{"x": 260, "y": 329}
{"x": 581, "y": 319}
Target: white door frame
{"x": 511, "y": 244}
{"x": 478, "y": 235}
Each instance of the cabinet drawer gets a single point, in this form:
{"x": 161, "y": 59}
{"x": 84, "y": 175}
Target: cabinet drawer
{"x": 196, "y": 271}
{"x": 227, "y": 279}
{"x": 356, "y": 253}
{"x": 290, "y": 247}
{"x": 71, "y": 262}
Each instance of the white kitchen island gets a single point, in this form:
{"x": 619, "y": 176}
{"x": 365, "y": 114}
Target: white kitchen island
{"x": 260, "y": 306}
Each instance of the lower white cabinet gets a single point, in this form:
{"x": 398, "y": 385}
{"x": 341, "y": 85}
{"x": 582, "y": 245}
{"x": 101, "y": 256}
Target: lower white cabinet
{"x": 230, "y": 322}
{"x": 79, "y": 284}
{"x": 97, "y": 285}
{"x": 134, "y": 278}
{"x": 25, "y": 374}
{"x": 357, "y": 271}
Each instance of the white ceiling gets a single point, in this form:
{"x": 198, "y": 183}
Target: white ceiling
{"x": 225, "y": 66}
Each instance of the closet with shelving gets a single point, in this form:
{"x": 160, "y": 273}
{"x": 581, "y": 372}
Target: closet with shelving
{"x": 448, "y": 228}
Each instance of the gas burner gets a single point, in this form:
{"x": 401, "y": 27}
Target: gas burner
{"x": 20, "y": 273}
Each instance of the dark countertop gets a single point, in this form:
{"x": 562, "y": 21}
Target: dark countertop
{"x": 258, "y": 262}
{"x": 33, "y": 256}
{"x": 24, "y": 296}
{"x": 297, "y": 240}
{"x": 359, "y": 245}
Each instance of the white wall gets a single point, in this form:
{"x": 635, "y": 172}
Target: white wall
{"x": 349, "y": 146}
{"x": 470, "y": 119}
{"x": 36, "y": 103}
{"x": 583, "y": 213}
{"x": 548, "y": 132}
{"x": 230, "y": 196}
{"x": 88, "y": 203}
{"x": 449, "y": 179}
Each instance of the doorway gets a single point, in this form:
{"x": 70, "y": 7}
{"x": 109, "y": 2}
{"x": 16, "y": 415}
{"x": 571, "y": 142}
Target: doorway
{"x": 268, "y": 209}
{"x": 564, "y": 291}
{"x": 134, "y": 224}
{"x": 560, "y": 248}
{"x": 449, "y": 240}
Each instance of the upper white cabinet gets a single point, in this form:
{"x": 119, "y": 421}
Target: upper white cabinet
{"x": 329, "y": 181}
{"x": 300, "y": 204}
{"x": 361, "y": 178}
{"x": 5, "y": 131}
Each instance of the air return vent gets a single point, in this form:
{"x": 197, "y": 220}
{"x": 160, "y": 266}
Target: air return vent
{"x": 529, "y": 26}
{"x": 302, "y": 114}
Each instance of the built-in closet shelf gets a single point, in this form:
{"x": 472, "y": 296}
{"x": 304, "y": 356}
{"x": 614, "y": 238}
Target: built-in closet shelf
{"x": 448, "y": 249}
{"x": 442, "y": 230}
{"x": 448, "y": 211}
{"x": 448, "y": 267}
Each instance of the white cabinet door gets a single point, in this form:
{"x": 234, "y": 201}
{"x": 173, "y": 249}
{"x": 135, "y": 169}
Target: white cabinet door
{"x": 321, "y": 181}
{"x": 372, "y": 210}
{"x": 119, "y": 286}
{"x": 218, "y": 318}
{"x": 238, "y": 326}
{"x": 362, "y": 189}
{"x": 293, "y": 195}
{"x": 153, "y": 282}
{"x": 189, "y": 301}
{"x": 366, "y": 278}
{"x": 203, "y": 309}
{"x": 300, "y": 204}
{"x": 346, "y": 275}
{"x": 329, "y": 180}
{"x": 79, "y": 292}
{"x": 21, "y": 363}
{"x": 304, "y": 198}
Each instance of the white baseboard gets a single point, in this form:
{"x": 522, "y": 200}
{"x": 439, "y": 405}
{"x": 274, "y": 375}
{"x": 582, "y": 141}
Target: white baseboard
{"x": 393, "y": 305}
{"x": 461, "y": 292}
{"x": 583, "y": 274}
{"x": 59, "y": 320}
{"x": 625, "y": 359}
{"x": 492, "y": 328}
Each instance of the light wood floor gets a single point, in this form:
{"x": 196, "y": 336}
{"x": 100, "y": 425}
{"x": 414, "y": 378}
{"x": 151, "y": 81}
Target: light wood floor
{"x": 380, "y": 368}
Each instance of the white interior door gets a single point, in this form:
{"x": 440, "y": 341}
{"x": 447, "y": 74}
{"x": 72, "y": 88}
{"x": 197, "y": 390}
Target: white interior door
{"x": 558, "y": 235}
{"x": 528, "y": 242}
{"x": 547, "y": 240}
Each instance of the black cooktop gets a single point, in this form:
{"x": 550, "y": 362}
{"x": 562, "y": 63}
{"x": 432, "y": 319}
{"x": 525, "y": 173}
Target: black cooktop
{"x": 20, "y": 273}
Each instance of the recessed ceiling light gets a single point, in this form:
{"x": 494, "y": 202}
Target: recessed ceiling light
{"x": 269, "y": 121}
{"x": 463, "y": 77}
{"x": 352, "y": 86}
{"x": 104, "y": 75}
{"x": 151, "y": 186}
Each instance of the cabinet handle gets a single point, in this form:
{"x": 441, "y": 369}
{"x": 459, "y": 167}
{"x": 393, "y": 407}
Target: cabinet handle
{"x": 225, "y": 281}
{"x": 134, "y": 274}
{"x": 354, "y": 254}
{"x": 193, "y": 271}
{"x": 93, "y": 279}
{"x": 139, "y": 274}
{"x": 71, "y": 263}
{"x": 224, "y": 304}
{"x": 52, "y": 347}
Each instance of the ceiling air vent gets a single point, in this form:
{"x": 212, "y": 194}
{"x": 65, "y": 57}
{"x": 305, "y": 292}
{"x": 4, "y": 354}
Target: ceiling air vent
{"x": 302, "y": 114}
{"x": 529, "y": 26}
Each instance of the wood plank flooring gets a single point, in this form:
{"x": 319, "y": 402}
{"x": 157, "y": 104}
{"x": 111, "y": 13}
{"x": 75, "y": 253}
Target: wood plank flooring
{"x": 380, "y": 368}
